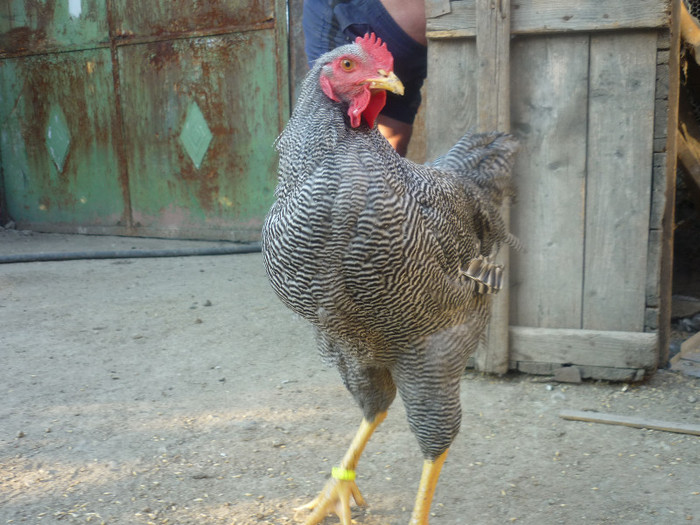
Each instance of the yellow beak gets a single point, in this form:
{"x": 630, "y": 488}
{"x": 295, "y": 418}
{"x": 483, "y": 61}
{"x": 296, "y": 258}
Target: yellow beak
{"x": 387, "y": 81}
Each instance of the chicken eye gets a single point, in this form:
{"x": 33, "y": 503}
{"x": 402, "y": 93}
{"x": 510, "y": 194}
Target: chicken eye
{"x": 347, "y": 64}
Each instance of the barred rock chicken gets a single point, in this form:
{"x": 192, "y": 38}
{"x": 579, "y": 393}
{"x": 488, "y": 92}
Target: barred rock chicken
{"x": 390, "y": 261}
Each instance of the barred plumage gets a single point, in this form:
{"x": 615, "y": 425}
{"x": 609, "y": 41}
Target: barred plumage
{"x": 372, "y": 249}
{"x": 390, "y": 261}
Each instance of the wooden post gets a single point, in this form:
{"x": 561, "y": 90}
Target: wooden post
{"x": 493, "y": 52}
{"x": 666, "y": 277}
{"x": 493, "y": 113}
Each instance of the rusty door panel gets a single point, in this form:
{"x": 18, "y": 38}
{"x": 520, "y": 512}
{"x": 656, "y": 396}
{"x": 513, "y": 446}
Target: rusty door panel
{"x": 41, "y": 26}
{"x": 141, "y": 118}
{"x": 57, "y": 140}
{"x": 200, "y": 118}
{"x": 179, "y": 17}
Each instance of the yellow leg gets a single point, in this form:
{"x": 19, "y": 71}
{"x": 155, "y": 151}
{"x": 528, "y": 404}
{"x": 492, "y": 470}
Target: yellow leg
{"x": 426, "y": 490}
{"x": 337, "y": 494}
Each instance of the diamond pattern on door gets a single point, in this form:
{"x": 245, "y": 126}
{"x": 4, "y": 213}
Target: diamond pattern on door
{"x": 195, "y": 135}
{"x": 57, "y": 137}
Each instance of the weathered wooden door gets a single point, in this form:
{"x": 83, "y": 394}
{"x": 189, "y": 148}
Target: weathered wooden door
{"x": 142, "y": 118}
{"x": 585, "y": 86}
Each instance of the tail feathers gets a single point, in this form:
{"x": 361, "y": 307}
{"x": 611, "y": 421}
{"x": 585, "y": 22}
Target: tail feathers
{"x": 486, "y": 159}
{"x": 487, "y": 275}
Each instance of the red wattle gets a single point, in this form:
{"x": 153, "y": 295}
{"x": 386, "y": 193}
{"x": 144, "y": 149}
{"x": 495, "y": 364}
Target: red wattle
{"x": 368, "y": 105}
{"x": 376, "y": 104}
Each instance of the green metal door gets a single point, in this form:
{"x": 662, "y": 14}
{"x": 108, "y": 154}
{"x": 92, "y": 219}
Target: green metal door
{"x": 141, "y": 118}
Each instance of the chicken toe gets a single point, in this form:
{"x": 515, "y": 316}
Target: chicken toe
{"x": 335, "y": 498}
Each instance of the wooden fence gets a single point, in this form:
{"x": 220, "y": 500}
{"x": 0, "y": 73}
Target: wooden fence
{"x": 590, "y": 88}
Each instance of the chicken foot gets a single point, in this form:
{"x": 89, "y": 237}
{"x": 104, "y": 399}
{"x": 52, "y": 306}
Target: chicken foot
{"x": 426, "y": 489}
{"x": 341, "y": 488}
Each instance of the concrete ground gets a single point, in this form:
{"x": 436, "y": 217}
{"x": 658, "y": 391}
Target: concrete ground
{"x": 180, "y": 391}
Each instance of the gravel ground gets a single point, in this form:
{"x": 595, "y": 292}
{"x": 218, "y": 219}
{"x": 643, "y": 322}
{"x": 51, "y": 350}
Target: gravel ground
{"x": 180, "y": 391}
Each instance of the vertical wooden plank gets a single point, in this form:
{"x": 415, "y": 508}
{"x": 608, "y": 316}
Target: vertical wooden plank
{"x": 666, "y": 271}
{"x": 493, "y": 112}
{"x": 493, "y": 52}
{"x": 450, "y": 93}
{"x": 658, "y": 205}
{"x": 653, "y": 269}
{"x": 549, "y": 83}
{"x": 658, "y": 188}
{"x": 620, "y": 145}
{"x": 417, "y": 147}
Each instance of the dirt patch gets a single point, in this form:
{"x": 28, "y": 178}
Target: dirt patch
{"x": 180, "y": 391}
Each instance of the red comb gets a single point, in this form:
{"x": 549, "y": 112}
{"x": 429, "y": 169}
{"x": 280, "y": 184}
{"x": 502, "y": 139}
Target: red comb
{"x": 377, "y": 49}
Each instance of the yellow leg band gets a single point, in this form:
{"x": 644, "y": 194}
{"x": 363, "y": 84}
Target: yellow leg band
{"x": 343, "y": 474}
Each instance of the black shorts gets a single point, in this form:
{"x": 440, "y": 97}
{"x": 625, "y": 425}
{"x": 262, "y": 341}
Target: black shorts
{"x": 332, "y": 23}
